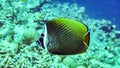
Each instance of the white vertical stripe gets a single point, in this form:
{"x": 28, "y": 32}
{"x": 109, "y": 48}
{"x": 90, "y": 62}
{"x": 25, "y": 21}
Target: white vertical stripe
{"x": 45, "y": 38}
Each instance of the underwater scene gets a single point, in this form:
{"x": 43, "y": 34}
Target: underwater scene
{"x": 59, "y": 34}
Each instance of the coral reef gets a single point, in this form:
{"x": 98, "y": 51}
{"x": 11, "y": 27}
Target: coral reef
{"x": 30, "y": 35}
{"x": 20, "y": 28}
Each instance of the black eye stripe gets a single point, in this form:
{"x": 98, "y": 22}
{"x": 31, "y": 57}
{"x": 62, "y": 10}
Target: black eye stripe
{"x": 42, "y": 35}
{"x": 41, "y": 41}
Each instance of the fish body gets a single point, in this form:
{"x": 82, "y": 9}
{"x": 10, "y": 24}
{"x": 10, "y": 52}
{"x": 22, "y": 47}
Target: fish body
{"x": 66, "y": 36}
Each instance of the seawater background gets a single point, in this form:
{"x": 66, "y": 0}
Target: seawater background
{"x": 101, "y": 9}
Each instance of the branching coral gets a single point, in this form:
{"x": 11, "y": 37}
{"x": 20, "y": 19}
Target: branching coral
{"x": 20, "y": 28}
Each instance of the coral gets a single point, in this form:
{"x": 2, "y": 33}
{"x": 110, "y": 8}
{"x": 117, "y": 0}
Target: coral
{"x": 70, "y": 62}
{"x": 30, "y": 35}
{"x": 20, "y": 28}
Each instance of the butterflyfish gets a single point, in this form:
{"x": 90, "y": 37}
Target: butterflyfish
{"x": 63, "y": 36}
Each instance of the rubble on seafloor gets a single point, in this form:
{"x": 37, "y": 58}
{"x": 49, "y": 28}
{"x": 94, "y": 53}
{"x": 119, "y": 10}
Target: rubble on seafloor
{"x": 17, "y": 42}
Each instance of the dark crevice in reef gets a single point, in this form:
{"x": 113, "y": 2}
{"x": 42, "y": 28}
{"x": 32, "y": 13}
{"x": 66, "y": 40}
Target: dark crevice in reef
{"x": 107, "y": 28}
{"x": 38, "y": 8}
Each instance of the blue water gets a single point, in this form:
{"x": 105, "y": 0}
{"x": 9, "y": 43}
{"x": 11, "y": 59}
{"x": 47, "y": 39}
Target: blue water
{"x": 101, "y": 9}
